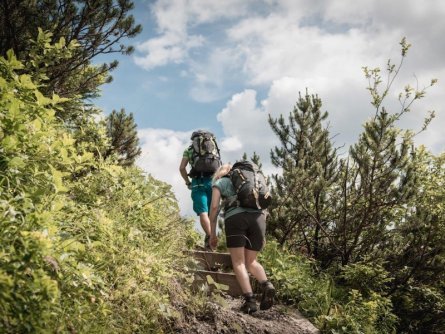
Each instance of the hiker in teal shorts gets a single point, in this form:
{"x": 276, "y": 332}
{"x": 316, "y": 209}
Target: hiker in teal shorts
{"x": 204, "y": 159}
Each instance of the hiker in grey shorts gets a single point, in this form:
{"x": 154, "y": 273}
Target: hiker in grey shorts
{"x": 245, "y": 236}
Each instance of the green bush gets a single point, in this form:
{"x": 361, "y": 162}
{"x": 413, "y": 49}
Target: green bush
{"x": 332, "y": 307}
{"x": 85, "y": 245}
{"x": 421, "y": 309}
{"x": 296, "y": 281}
{"x": 366, "y": 277}
{"x": 31, "y": 186}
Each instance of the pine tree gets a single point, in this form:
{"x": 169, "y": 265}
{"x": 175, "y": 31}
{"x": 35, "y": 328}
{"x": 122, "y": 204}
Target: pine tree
{"x": 124, "y": 142}
{"x": 99, "y": 27}
{"x": 378, "y": 177}
{"x": 255, "y": 158}
{"x": 377, "y": 181}
{"x": 375, "y": 217}
{"x": 344, "y": 209}
{"x": 417, "y": 256}
{"x": 300, "y": 212}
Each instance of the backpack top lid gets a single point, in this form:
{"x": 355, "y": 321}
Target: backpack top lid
{"x": 198, "y": 133}
{"x": 204, "y": 143}
{"x": 245, "y": 164}
{"x": 205, "y": 154}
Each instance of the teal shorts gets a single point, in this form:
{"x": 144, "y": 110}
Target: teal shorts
{"x": 201, "y": 194}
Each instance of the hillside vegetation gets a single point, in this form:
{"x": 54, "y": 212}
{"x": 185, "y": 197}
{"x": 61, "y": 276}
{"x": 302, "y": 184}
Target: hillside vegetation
{"x": 86, "y": 245}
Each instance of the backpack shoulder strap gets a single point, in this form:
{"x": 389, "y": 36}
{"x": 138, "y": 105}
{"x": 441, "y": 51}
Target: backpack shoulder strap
{"x": 216, "y": 145}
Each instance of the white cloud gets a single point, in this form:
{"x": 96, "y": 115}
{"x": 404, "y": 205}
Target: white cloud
{"x": 162, "y": 151}
{"x": 174, "y": 18}
{"x": 204, "y": 11}
{"x": 283, "y": 94}
{"x": 246, "y": 129}
{"x": 241, "y": 116}
{"x": 171, "y": 16}
{"x": 214, "y": 75}
{"x": 277, "y": 46}
{"x": 231, "y": 144}
{"x": 323, "y": 48}
{"x": 168, "y": 48}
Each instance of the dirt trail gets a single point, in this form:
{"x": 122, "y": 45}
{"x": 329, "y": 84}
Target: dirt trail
{"x": 225, "y": 319}
{"x": 223, "y": 315}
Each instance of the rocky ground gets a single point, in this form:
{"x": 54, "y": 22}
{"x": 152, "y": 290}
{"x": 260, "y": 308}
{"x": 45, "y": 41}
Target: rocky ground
{"x": 224, "y": 317}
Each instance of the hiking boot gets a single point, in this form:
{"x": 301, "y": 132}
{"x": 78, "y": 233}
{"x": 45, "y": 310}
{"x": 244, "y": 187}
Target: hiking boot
{"x": 207, "y": 243}
{"x": 268, "y": 295}
{"x": 249, "y": 305}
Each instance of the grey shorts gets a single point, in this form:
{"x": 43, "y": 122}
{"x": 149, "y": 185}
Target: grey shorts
{"x": 246, "y": 229}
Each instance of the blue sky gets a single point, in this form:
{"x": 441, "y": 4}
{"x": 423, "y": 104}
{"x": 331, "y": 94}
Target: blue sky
{"x": 167, "y": 96}
{"x": 226, "y": 65}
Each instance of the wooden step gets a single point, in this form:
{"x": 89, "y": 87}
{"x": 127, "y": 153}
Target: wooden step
{"x": 219, "y": 267}
{"x": 228, "y": 279}
{"x": 213, "y": 260}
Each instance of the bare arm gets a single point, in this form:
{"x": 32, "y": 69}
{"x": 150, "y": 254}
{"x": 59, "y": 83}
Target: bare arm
{"x": 183, "y": 170}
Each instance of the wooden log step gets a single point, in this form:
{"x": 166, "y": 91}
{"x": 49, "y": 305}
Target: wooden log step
{"x": 228, "y": 279}
{"x": 213, "y": 260}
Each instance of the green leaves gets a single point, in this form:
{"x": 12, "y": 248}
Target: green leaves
{"x": 331, "y": 307}
{"x": 218, "y": 286}
{"x": 42, "y": 100}
{"x": 26, "y": 82}
{"x": 9, "y": 143}
{"x": 58, "y": 180}
{"x": 11, "y": 61}
{"x": 16, "y": 163}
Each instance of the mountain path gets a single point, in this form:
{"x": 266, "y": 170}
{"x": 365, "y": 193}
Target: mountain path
{"x": 222, "y": 310}
{"x": 224, "y": 317}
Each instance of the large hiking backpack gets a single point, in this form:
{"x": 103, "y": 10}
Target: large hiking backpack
{"x": 205, "y": 158}
{"x": 250, "y": 185}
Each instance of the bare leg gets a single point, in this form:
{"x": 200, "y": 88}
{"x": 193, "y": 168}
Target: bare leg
{"x": 239, "y": 267}
{"x": 257, "y": 270}
{"x": 205, "y": 222}
{"x": 254, "y": 267}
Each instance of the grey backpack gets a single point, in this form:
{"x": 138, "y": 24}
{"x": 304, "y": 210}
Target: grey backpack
{"x": 250, "y": 186}
{"x": 205, "y": 158}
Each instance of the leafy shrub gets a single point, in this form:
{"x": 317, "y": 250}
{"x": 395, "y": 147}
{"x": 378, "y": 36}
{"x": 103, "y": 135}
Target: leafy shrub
{"x": 332, "y": 307}
{"x": 359, "y": 315}
{"x": 31, "y": 186}
{"x": 366, "y": 277}
{"x": 421, "y": 309}
{"x": 85, "y": 245}
{"x": 296, "y": 281}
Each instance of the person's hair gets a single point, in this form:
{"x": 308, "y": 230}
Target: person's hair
{"x": 221, "y": 171}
